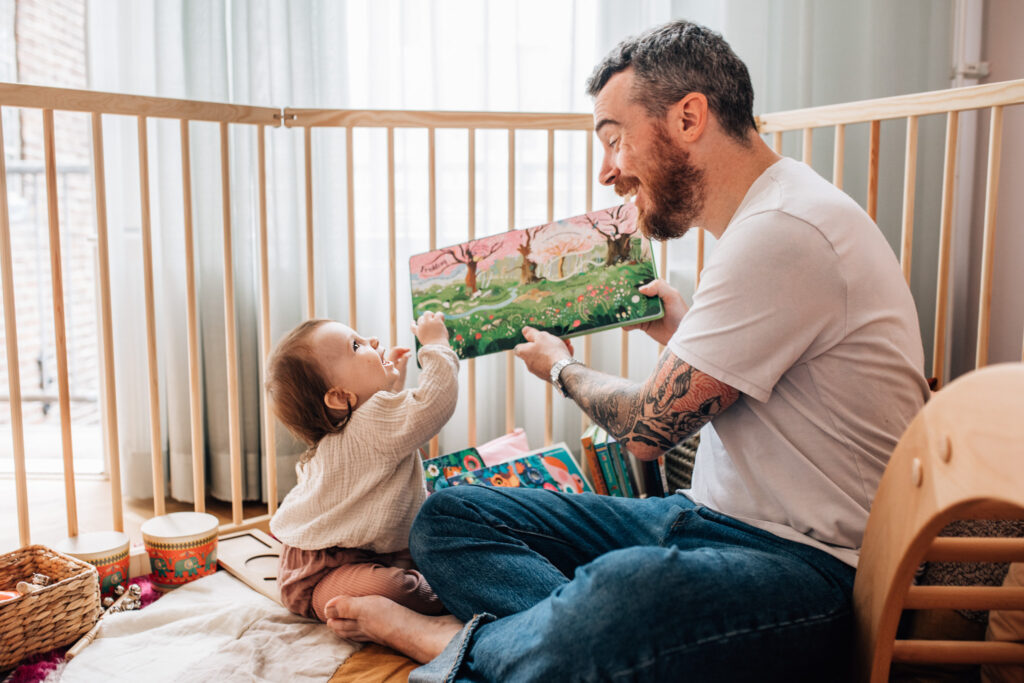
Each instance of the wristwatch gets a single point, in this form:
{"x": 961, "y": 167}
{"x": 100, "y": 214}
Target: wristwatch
{"x": 556, "y": 373}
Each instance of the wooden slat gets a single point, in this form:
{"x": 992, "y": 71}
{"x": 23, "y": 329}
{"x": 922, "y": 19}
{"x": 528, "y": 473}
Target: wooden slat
{"x": 257, "y": 522}
{"x": 808, "y": 146}
{"x": 957, "y": 652}
{"x": 964, "y": 597}
{"x": 945, "y": 242}
{"x": 548, "y": 395}
{"x": 471, "y": 363}
{"x": 873, "y": 149}
{"x": 59, "y": 330}
{"x": 13, "y": 371}
{"x": 510, "y": 358}
{"x": 65, "y": 99}
{"x": 351, "y": 204}
{"x": 269, "y": 440}
{"x": 392, "y": 253}
{"x": 195, "y": 386}
{"x": 777, "y": 142}
{"x": 976, "y": 549}
{"x": 432, "y": 238}
{"x": 153, "y": 372}
{"x": 307, "y": 146}
{"x": 106, "y": 325}
{"x": 231, "y": 350}
{"x": 919, "y": 104}
{"x": 390, "y": 118}
{"x": 989, "y": 241}
{"x": 700, "y": 258}
{"x": 839, "y": 156}
{"x": 909, "y": 187}
{"x": 624, "y": 353}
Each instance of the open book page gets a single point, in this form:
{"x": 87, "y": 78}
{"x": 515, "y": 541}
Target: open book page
{"x": 570, "y": 277}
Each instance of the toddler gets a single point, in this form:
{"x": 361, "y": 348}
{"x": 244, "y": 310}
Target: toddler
{"x": 345, "y": 525}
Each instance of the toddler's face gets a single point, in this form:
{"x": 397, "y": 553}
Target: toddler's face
{"x": 351, "y": 362}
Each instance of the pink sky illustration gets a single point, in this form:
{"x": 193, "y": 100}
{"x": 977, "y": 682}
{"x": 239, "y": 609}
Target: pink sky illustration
{"x": 571, "y": 235}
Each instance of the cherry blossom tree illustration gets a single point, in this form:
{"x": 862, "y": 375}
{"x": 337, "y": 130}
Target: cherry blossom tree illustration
{"x": 560, "y": 240}
{"x": 528, "y": 268}
{"x": 617, "y": 230}
{"x": 469, "y": 254}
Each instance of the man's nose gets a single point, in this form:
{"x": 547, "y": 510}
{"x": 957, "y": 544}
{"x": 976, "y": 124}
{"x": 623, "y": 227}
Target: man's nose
{"x": 608, "y": 174}
{"x": 374, "y": 342}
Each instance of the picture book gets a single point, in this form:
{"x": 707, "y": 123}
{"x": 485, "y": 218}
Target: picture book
{"x": 437, "y": 470}
{"x": 622, "y": 470}
{"x": 590, "y": 461}
{"x": 552, "y": 467}
{"x": 604, "y": 457}
{"x": 569, "y": 277}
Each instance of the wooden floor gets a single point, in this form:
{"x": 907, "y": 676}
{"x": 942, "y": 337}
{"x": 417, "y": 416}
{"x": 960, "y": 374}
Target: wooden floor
{"x": 48, "y": 519}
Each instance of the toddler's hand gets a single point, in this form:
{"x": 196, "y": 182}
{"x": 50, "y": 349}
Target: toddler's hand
{"x": 430, "y": 329}
{"x": 399, "y": 355}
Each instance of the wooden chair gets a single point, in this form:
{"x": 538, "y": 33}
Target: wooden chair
{"x": 962, "y": 457}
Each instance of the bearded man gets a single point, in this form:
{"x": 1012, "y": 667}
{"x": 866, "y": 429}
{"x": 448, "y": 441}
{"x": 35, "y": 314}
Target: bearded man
{"x": 800, "y": 362}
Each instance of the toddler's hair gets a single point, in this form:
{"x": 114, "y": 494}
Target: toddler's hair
{"x": 296, "y": 388}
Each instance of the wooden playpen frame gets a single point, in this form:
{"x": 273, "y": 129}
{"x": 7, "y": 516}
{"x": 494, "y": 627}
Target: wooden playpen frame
{"x": 994, "y": 97}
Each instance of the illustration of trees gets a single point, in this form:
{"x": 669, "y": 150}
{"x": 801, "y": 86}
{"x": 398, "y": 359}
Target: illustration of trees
{"x": 614, "y": 234}
{"x": 560, "y": 241}
{"x": 469, "y": 254}
{"x": 528, "y": 269}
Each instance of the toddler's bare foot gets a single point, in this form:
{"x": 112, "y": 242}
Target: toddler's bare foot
{"x": 377, "y": 619}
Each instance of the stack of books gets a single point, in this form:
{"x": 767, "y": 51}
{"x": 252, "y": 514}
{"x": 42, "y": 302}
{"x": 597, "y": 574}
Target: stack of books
{"x": 614, "y": 471}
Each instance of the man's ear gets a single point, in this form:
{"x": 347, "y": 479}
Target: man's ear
{"x": 340, "y": 400}
{"x": 689, "y": 117}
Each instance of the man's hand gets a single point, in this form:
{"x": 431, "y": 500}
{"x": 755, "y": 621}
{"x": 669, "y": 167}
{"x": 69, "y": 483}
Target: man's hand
{"x": 662, "y": 329}
{"x": 399, "y": 355}
{"x": 542, "y": 350}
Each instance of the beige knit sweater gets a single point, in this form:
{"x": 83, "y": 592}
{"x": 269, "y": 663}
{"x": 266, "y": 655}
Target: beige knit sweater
{"x": 363, "y": 486}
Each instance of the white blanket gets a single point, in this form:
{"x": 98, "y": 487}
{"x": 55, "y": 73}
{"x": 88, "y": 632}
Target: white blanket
{"x": 212, "y": 629}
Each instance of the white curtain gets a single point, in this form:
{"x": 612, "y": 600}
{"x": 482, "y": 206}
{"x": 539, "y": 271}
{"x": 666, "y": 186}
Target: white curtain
{"x": 407, "y": 54}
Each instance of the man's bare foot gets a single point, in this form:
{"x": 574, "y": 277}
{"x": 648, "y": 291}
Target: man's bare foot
{"x": 377, "y": 619}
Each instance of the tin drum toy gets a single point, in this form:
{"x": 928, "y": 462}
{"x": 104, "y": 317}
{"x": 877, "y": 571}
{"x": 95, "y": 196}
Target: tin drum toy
{"x": 105, "y": 550}
{"x": 182, "y": 547}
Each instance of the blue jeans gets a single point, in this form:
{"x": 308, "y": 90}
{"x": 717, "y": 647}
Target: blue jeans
{"x": 567, "y": 587}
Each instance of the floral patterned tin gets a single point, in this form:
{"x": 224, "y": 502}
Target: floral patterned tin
{"x": 182, "y": 547}
{"x": 105, "y": 550}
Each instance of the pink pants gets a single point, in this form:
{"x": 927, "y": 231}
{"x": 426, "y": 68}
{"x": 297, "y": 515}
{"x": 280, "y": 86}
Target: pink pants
{"x": 308, "y": 579}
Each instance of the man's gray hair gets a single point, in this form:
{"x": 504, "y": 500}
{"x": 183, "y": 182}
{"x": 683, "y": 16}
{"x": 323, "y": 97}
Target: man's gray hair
{"x": 675, "y": 59}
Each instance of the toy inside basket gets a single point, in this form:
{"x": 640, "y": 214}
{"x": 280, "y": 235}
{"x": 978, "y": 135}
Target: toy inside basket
{"x": 56, "y": 614}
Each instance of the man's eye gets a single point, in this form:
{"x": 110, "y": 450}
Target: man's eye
{"x": 355, "y": 345}
{"x": 613, "y": 143}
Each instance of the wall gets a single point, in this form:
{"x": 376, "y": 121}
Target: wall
{"x": 1003, "y": 49}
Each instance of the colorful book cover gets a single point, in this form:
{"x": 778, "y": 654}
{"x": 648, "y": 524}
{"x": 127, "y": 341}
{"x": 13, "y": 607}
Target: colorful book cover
{"x": 570, "y": 277}
{"x": 553, "y": 468}
{"x": 589, "y": 456}
{"x": 621, "y": 467}
{"x": 437, "y": 470}
{"x": 604, "y": 458}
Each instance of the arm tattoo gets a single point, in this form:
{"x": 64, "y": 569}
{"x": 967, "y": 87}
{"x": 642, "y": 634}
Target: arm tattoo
{"x": 650, "y": 418}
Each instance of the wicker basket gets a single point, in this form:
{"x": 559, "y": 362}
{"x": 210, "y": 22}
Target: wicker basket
{"x": 50, "y": 617}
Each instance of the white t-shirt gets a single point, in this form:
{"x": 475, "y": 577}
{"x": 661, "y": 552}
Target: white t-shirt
{"x": 803, "y": 308}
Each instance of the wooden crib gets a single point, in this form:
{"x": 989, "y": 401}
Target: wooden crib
{"x": 794, "y": 129}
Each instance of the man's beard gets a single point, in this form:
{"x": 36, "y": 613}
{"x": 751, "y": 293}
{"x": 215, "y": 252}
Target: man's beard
{"x": 674, "y": 192}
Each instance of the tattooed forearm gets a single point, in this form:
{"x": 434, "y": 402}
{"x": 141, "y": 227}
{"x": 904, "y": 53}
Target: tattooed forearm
{"x": 651, "y": 417}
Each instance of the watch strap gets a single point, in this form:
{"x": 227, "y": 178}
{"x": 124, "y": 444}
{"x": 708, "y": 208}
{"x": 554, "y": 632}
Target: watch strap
{"x": 556, "y": 372}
